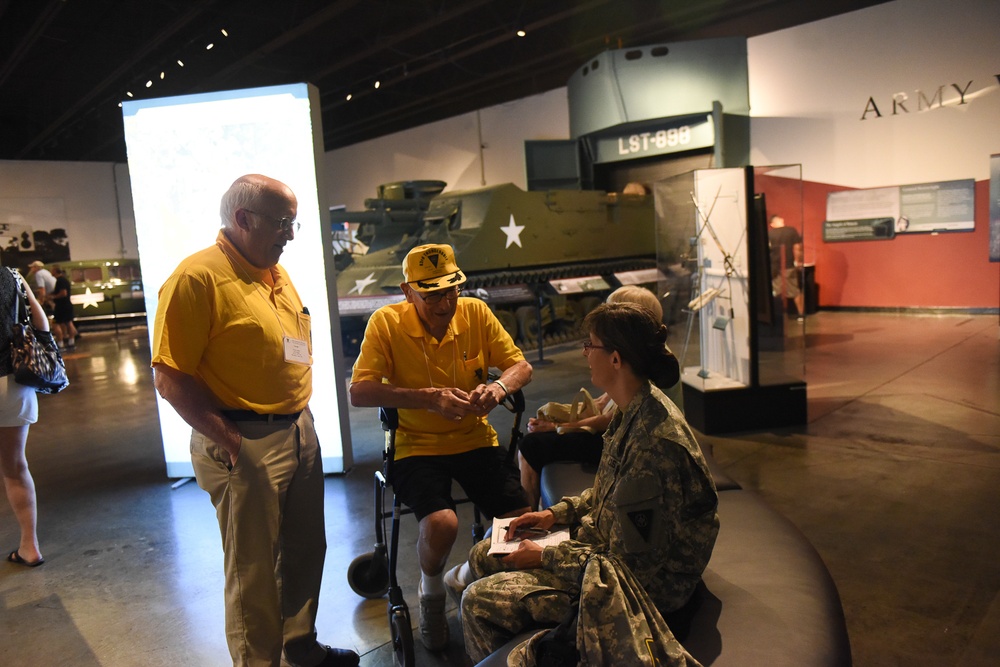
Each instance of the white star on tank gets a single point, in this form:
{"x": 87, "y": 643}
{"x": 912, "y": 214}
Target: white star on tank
{"x": 513, "y": 232}
{"x": 360, "y": 285}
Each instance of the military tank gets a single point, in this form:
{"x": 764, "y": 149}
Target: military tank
{"x": 541, "y": 259}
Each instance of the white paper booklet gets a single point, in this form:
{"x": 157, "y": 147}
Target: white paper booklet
{"x": 499, "y": 546}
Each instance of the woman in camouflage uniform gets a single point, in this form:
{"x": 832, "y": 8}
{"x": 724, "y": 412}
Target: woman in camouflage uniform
{"x": 653, "y": 503}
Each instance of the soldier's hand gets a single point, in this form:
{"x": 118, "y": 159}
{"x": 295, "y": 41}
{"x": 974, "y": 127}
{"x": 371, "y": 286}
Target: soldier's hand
{"x": 528, "y": 556}
{"x": 544, "y": 520}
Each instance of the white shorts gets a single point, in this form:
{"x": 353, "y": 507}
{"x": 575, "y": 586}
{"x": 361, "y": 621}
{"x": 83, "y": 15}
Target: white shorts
{"x": 18, "y": 404}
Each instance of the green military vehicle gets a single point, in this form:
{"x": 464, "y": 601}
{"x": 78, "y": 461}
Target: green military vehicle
{"x": 105, "y": 290}
{"x": 540, "y": 259}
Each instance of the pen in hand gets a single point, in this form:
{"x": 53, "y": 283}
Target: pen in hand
{"x": 522, "y": 532}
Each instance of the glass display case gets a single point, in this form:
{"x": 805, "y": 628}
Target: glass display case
{"x": 741, "y": 350}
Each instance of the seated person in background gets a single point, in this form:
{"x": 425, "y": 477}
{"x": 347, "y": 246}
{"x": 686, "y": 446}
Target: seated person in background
{"x": 429, "y": 356}
{"x": 546, "y": 442}
{"x": 653, "y": 503}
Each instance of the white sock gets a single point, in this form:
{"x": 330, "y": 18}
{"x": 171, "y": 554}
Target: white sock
{"x": 464, "y": 574}
{"x": 432, "y": 586}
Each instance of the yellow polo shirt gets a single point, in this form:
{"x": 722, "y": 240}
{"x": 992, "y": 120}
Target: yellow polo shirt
{"x": 398, "y": 350}
{"x": 223, "y": 321}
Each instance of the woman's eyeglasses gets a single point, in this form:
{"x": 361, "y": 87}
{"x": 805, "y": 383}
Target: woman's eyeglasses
{"x": 434, "y": 298}
{"x": 588, "y": 346}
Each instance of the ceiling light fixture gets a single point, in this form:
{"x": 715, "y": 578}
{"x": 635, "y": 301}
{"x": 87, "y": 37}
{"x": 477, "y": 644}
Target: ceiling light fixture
{"x": 129, "y": 93}
{"x": 224, "y": 33}
{"x": 162, "y": 75}
{"x": 377, "y": 84}
{"x": 181, "y": 63}
{"x": 209, "y": 47}
{"x": 521, "y": 33}
{"x": 149, "y": 84}
{"x": 349, "y": 96}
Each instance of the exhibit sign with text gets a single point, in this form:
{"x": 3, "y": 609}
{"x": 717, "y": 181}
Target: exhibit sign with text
{"x": 948, "y": 206}
{"x": 884, "y": 213}
{"x": 861, "y": 215}
{"x": 183, "y": 154}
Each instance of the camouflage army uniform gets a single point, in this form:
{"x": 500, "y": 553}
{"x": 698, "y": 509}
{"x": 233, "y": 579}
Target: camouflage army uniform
{"x": 653, "y": 504}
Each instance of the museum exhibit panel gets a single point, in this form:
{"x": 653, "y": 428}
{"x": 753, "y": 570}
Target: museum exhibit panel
{"x": 743, "y": 364}
{"x": 180, "y": 160}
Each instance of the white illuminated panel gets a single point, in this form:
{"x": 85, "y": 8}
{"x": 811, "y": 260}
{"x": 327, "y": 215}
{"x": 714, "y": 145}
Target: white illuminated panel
{"x": 183, "y": 154}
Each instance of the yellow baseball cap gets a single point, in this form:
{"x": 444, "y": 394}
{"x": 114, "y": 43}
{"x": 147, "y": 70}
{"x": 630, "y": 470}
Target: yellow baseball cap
{"x": 432, "y": 267}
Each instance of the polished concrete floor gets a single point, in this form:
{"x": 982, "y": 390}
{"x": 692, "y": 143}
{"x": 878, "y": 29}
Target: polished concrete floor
{"x": 895, "y": 480}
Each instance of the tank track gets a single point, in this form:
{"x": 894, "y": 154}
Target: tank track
{"x": 541, "y": 274}
{"x": 562, "y": 315}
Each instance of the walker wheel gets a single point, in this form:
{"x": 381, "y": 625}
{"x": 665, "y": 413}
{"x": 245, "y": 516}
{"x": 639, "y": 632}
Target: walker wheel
{"x": 368, "y": 575}
{"x": 402, "y": 636}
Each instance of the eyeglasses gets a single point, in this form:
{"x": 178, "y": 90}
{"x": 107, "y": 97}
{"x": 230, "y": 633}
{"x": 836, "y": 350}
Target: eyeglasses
{"x": 588, "y": 346}
{"x": 284, "y": 224}
{"x": 435, "y": 298}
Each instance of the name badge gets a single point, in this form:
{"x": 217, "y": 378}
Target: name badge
{"x": 297, "y": 351}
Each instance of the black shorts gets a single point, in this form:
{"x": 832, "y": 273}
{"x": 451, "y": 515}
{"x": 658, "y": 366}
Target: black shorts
{"x": 63, "y": 312}
{"x": 539, "y": 449}
{"x": 423, "y": 483}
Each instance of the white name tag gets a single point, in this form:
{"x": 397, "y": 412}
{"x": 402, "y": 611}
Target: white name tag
{"x": 297, "y": 351}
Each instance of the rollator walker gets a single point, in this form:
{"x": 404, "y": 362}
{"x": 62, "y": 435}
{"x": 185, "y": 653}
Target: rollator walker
{"x": 373, "y": 574}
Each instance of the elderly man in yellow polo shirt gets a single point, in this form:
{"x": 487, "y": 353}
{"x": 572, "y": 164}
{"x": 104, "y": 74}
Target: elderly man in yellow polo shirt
{"x": 232, "y": 354}
{"x": 430, "y": 356}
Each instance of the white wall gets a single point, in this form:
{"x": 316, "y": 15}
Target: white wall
{"x": 89, "y": 192}
{"x": 809, "y": 87}
{"x": 448, "y": 150}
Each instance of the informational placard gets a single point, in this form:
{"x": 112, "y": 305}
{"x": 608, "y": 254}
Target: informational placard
{"x": 365, "y": 305}
{"x": 578, "y": 285}
{"x": 871, "y": 204}
{"x": 885, "y": 213}
{"x": 640, "y": 276}
{"x": 870, "y": 229}
{"x": 948, "y": 206}
{"x": 509, "y": 293}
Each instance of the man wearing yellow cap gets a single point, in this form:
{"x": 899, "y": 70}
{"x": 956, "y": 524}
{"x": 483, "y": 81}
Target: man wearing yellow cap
{"x": 430, "y": 356}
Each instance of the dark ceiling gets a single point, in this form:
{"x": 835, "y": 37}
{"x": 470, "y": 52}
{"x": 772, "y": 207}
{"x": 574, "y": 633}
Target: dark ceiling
{"x": 66, "y": 64}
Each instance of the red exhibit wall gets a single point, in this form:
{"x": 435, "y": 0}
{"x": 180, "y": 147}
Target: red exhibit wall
{"x": 949, "y": 270}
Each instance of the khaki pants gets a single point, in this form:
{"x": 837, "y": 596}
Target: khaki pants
{"x": 270, "y": 510}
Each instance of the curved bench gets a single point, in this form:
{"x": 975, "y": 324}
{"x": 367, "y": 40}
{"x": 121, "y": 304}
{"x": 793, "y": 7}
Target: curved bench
{"x": 766, "y": 599}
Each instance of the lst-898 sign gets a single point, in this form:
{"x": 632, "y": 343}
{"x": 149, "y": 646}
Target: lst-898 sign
{"x": 666, "y": 137}
{"x": 661, "y": 139}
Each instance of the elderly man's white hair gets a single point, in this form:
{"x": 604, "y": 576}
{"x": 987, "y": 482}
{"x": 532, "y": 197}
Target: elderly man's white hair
{"x": 243, "y": 193}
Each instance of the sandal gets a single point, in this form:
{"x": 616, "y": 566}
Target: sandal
{"x": 14, "y": 557}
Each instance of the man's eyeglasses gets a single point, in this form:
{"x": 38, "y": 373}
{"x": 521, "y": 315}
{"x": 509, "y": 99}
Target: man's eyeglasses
{"x": 284, "y": 224}
{"x": 434, "y": 298}
{"x": 588, "y": 346}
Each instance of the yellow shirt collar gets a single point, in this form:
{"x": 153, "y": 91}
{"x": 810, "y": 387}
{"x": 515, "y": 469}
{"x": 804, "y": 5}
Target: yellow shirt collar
{"x": 273, "y": 277}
